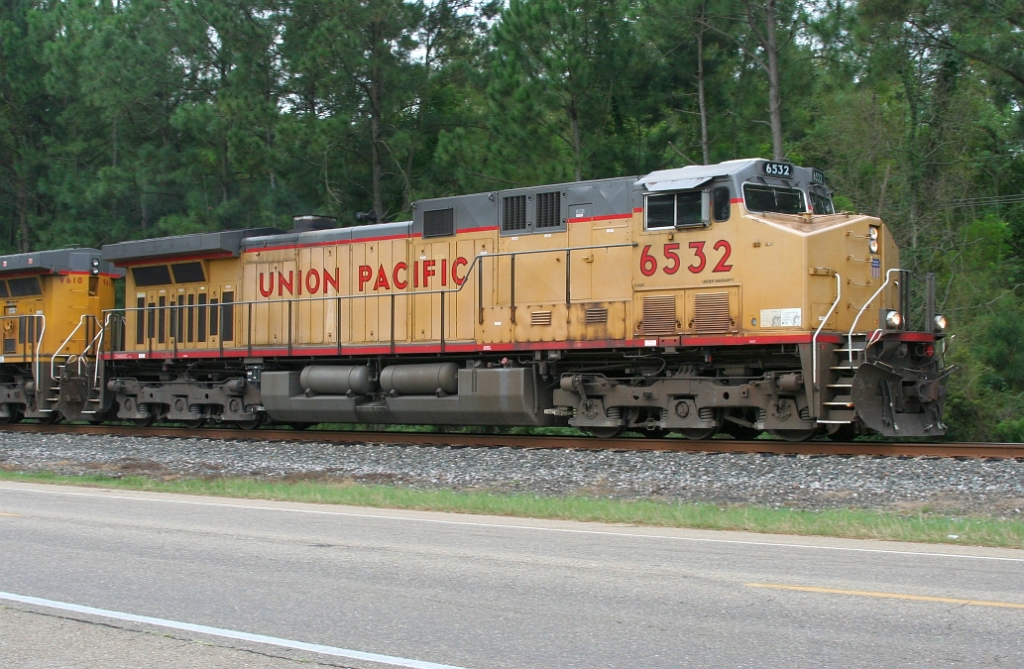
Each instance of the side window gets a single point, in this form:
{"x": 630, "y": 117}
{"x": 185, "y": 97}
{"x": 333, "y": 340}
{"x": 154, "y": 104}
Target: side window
{"x": 721, "y": 204}
{"x": 661, "y": 211}
{"x": 686, "y": 209}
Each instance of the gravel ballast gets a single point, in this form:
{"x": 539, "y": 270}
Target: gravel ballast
{"x": 988, "y": 487}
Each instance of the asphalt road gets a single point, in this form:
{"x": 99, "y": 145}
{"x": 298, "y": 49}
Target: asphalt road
{"x": 421, "y": 589}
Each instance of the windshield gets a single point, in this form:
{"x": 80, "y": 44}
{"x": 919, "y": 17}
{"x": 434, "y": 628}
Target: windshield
{"x": 822, "y": 204}
{"x": 773, "y": 198}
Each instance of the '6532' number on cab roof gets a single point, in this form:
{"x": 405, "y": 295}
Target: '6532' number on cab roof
{"x": 778, "y": 169}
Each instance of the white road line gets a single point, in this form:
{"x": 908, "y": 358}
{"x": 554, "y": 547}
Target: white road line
{"x": 471, "y": 523}
{"x": 229, "y": 634}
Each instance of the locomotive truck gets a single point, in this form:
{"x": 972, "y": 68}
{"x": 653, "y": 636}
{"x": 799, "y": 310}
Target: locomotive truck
{"x": 728, "y": 297}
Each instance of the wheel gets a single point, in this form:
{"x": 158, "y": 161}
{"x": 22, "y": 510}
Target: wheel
{"x": 698, "y": 433}
{"x": 99, "y": 419}
{"x": 742, "y": 432}
{"x": 605, "y": 432}
{"x": 846, "y": 432}
{"x": 51, "y": 418}
{"x": 195, "y": 424}
{"x": 252, "y": 423}
{"x": 794, "y": 435}
{"x": 15, "y": 417}
{"x": 143, "y": 422}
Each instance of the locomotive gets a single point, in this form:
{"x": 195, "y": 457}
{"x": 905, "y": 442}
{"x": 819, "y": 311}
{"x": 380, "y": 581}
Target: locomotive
{"x": 728, "y": 297}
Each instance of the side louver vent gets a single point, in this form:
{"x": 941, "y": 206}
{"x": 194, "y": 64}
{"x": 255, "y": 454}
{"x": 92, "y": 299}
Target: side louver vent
{"x": 513, "y": 213}
{"x": 711, "y": 312}
{"x": 596, "y": 315}
{"x": 659, "y": 314}
{"x": 549, "y": 210}
{"x": 540, "y": 318}
{"x": 439, "y": 223}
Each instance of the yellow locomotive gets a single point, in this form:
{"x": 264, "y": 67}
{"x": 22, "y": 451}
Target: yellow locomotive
{"x": 722, "y": 297}
{"x": 51, "y": 330}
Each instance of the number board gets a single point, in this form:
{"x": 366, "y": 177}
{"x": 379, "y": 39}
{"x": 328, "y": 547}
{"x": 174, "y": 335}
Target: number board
{"x": 778, "y": 169}
{"x": 817, "y": 177}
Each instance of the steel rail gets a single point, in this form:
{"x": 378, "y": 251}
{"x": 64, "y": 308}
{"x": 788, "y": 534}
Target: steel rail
{"x": 765, "y": 446}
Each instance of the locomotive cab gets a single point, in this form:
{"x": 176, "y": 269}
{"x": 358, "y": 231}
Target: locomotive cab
{"x": 50, "y": 330}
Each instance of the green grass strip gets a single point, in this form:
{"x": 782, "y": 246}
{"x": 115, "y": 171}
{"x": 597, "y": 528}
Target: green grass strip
{"x": 849, "y": 523}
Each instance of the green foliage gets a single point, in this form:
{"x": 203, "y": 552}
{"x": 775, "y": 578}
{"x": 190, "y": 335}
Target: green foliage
{"x": 150, "y": 117}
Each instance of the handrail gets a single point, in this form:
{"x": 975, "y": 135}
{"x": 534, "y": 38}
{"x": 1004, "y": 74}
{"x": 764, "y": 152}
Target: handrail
{"x": 53, "y": 359}
{"x": 477, "y": 261}
{"x": 849, "y": 337}
{"x": 36, "y": 354}
{"x": 814, "y": 339}
{"x": 99, "y": 349}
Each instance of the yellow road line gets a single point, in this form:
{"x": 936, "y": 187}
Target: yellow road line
{"x": 12, "y": 515}
{"x": 886, "y": 595}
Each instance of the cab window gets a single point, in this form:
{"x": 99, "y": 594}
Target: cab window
{"x": 822, "y": 204}
{"x": 676, "y": 210}
{"x": 722, "y": 203}
{"x": 775, "y": 199}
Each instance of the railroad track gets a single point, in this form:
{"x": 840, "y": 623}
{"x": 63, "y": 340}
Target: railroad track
{"x": 777, "y": 447}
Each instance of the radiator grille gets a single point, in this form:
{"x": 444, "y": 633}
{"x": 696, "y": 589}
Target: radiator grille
{"x": 439, "y": 223}
{"x": 513, "y": 212}
{"x": 659, "y": 314}
{"x": 549, "y": 210}
{"x": 711, "y": 312}
{"x": 596, "y": 315}
{"x": 540, "y": 318}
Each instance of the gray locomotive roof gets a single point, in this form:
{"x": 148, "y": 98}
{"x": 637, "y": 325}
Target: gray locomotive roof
{"x": 334, "y": 235}
{"x": 61, "y": 260}
{"x": 142, "y": 250}
{"x": 597, "y": 197}
{"x": 681, "y": 178}
{"x": 738, "y": 171}
{"x": 327, "y": 237}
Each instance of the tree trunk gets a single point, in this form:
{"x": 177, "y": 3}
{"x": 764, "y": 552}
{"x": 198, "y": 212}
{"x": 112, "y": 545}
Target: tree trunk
{"x": 774, "y": 93}
{"x": 701, "y": 101}
{"x": 577, "y": 144}
{"x": 22, "y": 204}
{"x": 376, "y": 95}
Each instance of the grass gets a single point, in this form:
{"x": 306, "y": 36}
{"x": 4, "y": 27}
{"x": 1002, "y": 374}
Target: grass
{"x": 849, "y": 523}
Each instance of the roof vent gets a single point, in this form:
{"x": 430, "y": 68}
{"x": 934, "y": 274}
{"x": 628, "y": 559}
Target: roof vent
{"x": 311, "y": 223}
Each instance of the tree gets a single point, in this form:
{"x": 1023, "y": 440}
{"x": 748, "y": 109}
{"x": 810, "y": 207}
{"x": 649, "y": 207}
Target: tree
{"x": 26, "y": 117}
{"x": 354, "y": 58}
{"x": 557, "y": 68}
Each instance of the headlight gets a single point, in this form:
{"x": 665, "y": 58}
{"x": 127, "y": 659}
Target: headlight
{"x": 872, "y": 233}
{"x": 893, "y": 319}
{"x": 873, "y": 245}
{"x": 940, "y": 323}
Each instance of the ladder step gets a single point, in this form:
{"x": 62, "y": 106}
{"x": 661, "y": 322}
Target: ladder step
{"x": 840, "y": 385}
{"x": 822, "y": 422}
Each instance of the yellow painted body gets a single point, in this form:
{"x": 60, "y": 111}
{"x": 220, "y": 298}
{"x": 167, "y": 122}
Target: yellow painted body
{"x": 34, "y": 328}
{"x": 754, "y": 274}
